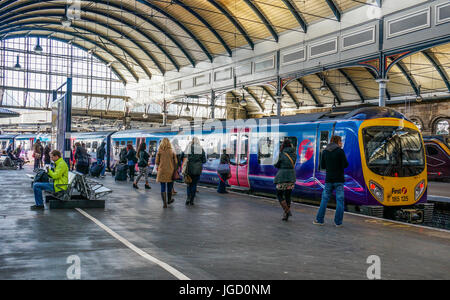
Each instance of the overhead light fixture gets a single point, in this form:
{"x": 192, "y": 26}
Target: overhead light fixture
{"x": 145, "y": 116}
{"x": 418, "y": 96}
{"x": 17, "y": 66}
{"x": 323, "y": 87}
{"x": 243, "y": 102}
{"x": 38, "y": 47}
{"x": 66, "y": 22}
{"x": 187, "y": 109}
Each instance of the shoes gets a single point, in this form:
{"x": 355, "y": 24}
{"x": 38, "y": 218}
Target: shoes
{"x": 135, "y": 186}
{"x": 37, "y": 207}
{"x": 317, "y": 223}
{"x": 285, "y": 216}
{"x": 174, "y": 193}
{"x": 147, "y": 187}
{"x": 338, "y": 226}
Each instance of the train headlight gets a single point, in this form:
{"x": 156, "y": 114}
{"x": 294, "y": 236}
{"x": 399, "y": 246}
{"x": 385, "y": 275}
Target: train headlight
{"x": 376, "y": 190}
{"x": 419, "y": 189}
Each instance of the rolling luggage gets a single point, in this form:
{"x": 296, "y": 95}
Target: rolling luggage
{"x": 96, "y": 170}
{"x": 121, "y": 172}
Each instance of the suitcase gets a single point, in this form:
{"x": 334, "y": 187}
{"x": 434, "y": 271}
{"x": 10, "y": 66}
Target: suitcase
{"x": 121, "y": 172}
{"x": 96, "y": 170}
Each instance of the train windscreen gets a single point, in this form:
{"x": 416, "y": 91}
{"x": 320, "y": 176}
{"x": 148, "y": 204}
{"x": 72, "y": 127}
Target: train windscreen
{"x": 393, "y": 151}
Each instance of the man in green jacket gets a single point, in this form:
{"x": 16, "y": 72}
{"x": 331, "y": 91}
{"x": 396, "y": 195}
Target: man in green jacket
{"x": 60, "y": 180}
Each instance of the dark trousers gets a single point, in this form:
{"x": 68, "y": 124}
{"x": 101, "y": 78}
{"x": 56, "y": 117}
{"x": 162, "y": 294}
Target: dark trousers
{"x": 132, "y": 171}
{"x": 222, "y": 183}
{"x": 284, "y": 195}
{"x": 192, "y": 187}
{"x": 37, "y": 163}
{"x": 169, "y": 187}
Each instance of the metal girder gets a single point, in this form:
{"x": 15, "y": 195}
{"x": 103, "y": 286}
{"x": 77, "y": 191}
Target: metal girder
{"x": 379, "y": 3}
{"x": 120, "y": 20}
{"x": 292, "y": 97}
{"x": 269, "y": 93}
{"x": 411, "y": 80}
{"x": 330, "y": 87}
{"x": 20, "y": 28}
{"x": 121, "y": 7}
{"x": 255, "y": 98}
{"x": 310, "y": 92}
{"x": 374, "y": 75}
{"x": 236, "y": 24}
{"x": 296, "y": 14}
{"x": 334, "y": 9}
{"x": 433, "y": 60}
{"x": 124, "y": 49}
{"x": 202, "y": 20}
{"x": 263, "y": 18}
{"x": 355, "y": 87}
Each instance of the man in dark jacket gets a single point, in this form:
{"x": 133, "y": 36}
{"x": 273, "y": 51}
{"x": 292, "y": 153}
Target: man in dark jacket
{"x": 334, "y": 161}
{"x": 101, "y": 153}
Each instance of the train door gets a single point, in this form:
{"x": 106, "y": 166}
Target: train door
{"x": 324, "y": 133}
{"x": 239, "y": 142}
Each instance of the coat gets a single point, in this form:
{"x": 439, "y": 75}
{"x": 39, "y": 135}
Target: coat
{"x": 196, "y": 159}
{"x": 286, "y": 169}
{"x": 60, "y": 175}
{"x": 167, "y": 163}
{"x": 334, "y": 161}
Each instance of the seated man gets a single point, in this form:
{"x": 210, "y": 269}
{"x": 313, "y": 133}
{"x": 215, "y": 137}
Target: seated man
{"x": 59, "y": 176}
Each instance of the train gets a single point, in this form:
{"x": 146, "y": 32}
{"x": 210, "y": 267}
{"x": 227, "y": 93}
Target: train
{"x": 26, "y": 141}
{"x": 387, "y": 173}
{"x": 438, "y": 158}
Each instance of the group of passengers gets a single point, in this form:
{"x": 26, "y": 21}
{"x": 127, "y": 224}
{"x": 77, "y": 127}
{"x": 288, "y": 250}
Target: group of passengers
{"x": 12, "y": 157}
{"x": 170, "y": 160}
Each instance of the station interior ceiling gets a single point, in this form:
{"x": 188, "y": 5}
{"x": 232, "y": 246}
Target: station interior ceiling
{"x": 141, "y": 39}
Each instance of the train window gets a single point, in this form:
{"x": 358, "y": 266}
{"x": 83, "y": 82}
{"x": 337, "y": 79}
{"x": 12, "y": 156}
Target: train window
{"x": 432, "y": 151}
{"x": 232, "y": 148}
{"x": 122, "y": 143}
{"x": 243, "y": 157}
{"x": 213, "y": 148}
{"x": 94, "y": 146}
{"x": 129, "y": 142}
{"x": 323, "y": 144}
{"x": 88, "y": 145}
{"x": 265, "y": 151}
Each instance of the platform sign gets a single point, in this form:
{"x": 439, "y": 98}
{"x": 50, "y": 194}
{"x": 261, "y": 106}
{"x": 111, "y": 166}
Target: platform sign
{"x": 61, "y": 119}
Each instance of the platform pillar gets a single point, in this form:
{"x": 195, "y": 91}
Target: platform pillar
{"x": 382, "y": 91}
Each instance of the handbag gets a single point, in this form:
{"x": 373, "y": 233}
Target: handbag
{"x": 187, "y": 179}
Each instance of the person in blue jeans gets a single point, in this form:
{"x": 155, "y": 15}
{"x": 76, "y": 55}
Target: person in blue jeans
{"x": 101, "y": 153}
{"x": 335, "y": 162}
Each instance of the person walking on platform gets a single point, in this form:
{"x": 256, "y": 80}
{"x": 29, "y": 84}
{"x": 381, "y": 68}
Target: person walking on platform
{"x": 38, "y": 151}
{"x": 47, "y": 151}
{"x": 179, "y": 154}
{"x": 60, "y": 178}
{"x": 143, "y": 163}
{"x": 131, "y": 160}
{"x": 194, "y": 159}
{"x": 101, "y": 153}
{"x": 285, "y": 178}
{"x": 81, "y": 159}
{"x": 334, "y": 161}
{"x": 224, "y": 172}
{"x": 166, "y": 164}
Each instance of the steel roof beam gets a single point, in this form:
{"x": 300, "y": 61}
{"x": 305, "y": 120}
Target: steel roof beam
{"x": 405, "y": 73}
{"x": 291, "y": 95}
{"x": 94, "y": 11}
{"x": 330, "y": 87}
{"x": 120, "y": 6}
{"x": 124, "y": 49}
{"x": 433, "y": 60}
{"x": 310, "y": 92}
{"x": 334, "y": 9}
{"x": 21, "y": 28}
{"x": 202, "y": 20}
{"x": 269, "y": 93}
{"x": 352, "y": 83}
{"x": 263, "y": 18}
{"x": 296, "y": 14}
{"x": 255, "y": 98}
{"x": 236, "y": 24}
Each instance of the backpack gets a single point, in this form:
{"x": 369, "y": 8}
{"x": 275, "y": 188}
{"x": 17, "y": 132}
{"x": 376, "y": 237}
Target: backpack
{"x": 143, "y": 159}
{"x": 121, "y": 172}
{"x": 96, "y": 170}
{"x": 41, "y": 176}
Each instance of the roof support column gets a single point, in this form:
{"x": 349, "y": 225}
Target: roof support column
{"x": 165, "y": 112}
{"x": 382, "y": 91}
{"x": 213, "y": 104}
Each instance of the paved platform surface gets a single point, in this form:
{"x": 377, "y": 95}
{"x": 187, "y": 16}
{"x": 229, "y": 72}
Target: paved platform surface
{"x": 439, "y": 191}
{"x": 232, "y": 236}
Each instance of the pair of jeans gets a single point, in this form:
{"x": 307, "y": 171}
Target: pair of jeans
{"x": 222, "y": 184}
{"x": 101, "y": 161}
{"x": 38, "y": 187}
{"x": 131, "y": 168}
{"x": 169, "y": 187}
{"x": 192, "y": 188}
{"x": 326, "y": 195}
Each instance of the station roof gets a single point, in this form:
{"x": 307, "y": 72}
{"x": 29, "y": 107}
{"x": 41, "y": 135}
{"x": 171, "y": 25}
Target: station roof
{"x": 6, "y": 113}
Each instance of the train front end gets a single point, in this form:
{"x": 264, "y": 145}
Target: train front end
{"x": 394, "y": 168}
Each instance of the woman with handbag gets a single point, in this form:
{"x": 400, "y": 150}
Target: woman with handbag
{"x": 143, "y": 162}
{"x": 285, "y": 178}
{"x": 195, "y": 157}
{"x": 179, "y": 154}
{"x": 224, "y": 172}
{"x": 131, "y": 160}
{"x": 166, "y": 163}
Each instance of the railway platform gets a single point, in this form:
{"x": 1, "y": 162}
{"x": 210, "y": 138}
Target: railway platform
{"x": 231, "y": 236}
